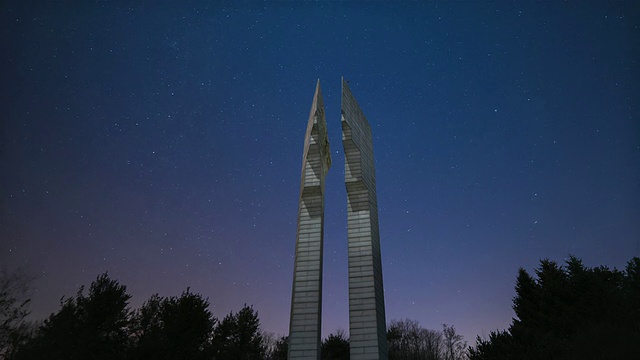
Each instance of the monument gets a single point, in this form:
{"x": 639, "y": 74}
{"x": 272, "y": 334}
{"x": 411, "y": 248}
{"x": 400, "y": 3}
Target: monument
{"x": 306, "y": 298}
{"x": 367, "y": 326}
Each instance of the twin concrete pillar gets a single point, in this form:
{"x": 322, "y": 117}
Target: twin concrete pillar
{"x": 367, "y": 327}
{"x": 306, "y": 298}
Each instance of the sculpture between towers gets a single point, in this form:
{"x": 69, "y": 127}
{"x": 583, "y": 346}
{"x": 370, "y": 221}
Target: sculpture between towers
{"x": 367, "y": 327}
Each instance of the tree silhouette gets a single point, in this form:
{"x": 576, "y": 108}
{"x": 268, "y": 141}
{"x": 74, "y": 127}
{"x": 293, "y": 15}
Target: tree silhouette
{"x": 238, "y": 336}
{"x": 276, "y": 349}
{"x": 14, "y": 308}
{"x": 407, "y": 340}
{"x": 173, "y": 328}
{"x": 454, "y": 347}
{"x": 281, "y": 349}
{"x": 570, "y": 312}
{"x": 99, "y": 325}
{"x": 335, "y": 347}
{"x": 94, "y": 326}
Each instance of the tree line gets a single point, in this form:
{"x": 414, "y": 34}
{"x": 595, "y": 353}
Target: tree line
{"x": 99, "y": 324}
{"x": 564, "y": 312}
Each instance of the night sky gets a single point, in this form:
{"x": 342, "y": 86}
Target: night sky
{"x": 163, "y": 144}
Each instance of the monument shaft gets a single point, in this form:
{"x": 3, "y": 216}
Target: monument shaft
{"x": 306, "y": 299}
{"x": 367, "y": 324}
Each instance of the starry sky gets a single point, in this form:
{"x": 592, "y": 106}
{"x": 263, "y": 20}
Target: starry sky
{"x": 162, "y": 143}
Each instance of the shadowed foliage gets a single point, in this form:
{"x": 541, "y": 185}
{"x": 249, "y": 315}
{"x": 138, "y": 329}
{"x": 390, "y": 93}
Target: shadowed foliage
{"x": 570, "y": 312}
{"x": 14, "y": 308}
{"x": 173, "y": 328}
{"x": 238, "y": 336}
{"x": 335, "y": 347}
{"x": 100, "y": 325}
{"x": 93, "y": 326}
{"x": 408, "y": 340}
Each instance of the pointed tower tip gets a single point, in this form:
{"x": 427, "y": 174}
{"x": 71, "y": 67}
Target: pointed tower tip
{"x": 317, "y": 97}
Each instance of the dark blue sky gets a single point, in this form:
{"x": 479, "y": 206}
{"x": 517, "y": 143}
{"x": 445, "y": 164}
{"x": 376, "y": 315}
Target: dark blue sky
{"x": 163, "y": 143}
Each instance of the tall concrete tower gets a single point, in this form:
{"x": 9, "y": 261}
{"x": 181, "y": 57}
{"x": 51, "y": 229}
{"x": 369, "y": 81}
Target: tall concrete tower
{"x": 306, "y": 299}
{"x": 367, "y": 324}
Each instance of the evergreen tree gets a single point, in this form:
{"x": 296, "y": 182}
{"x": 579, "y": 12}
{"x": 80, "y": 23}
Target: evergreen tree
{"x": 335, "y": 347}
{"x": 238, "y": 336}
{"x": 570, "y": 312}
{"x": 173, "y": 328}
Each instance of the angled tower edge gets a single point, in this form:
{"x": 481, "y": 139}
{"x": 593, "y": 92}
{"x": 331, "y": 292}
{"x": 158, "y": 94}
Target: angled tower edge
{"x": 306, "y": 295}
